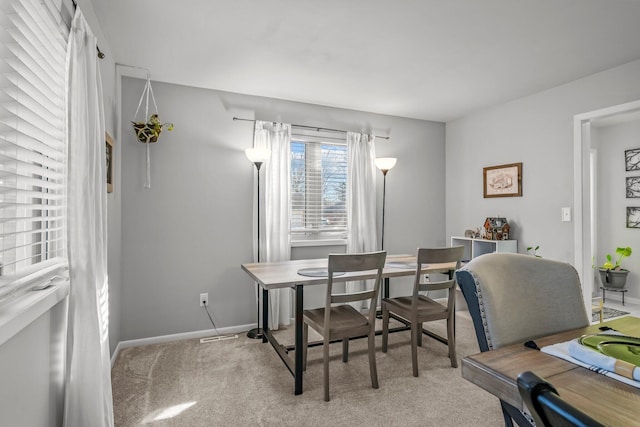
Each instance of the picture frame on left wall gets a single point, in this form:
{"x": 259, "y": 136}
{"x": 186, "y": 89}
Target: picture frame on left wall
{"x": 109, "y": 159}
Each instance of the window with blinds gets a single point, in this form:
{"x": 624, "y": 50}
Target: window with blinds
{"x": 318, "y": 190}
{"x": 32, "y": 142}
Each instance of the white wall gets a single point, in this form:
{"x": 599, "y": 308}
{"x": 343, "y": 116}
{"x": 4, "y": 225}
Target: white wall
{"x": 32, "y": 372}
{"x": 611, "y": 143}
{"x": 192, "y": 229}
{"x": 538, "y": 131}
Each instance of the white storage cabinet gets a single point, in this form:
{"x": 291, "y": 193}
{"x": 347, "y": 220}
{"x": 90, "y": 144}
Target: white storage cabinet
{"x": 476, "y": 247}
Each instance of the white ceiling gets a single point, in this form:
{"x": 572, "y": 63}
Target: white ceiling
{"x": 426, "y": 59}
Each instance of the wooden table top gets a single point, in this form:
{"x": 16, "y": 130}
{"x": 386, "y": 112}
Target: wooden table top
{"x": 607, "y": 400}
{"x": 274, "y": 275}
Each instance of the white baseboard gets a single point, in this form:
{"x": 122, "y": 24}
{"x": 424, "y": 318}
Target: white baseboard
{"x": 176, "y": 337}
{"x": 114, "y": 356}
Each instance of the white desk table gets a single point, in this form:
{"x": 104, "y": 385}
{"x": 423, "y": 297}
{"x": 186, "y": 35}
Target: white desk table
{"x": 278, "y": 275}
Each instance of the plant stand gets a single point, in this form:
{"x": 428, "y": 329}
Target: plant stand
{"x": 623, "y": 291}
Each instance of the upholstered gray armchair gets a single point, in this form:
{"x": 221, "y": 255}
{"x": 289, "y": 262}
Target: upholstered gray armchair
{"x": 513, "y": 298}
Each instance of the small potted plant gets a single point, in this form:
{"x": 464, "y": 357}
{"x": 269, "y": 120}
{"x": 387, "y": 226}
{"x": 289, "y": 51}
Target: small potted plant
{"x": 613, "y": 275}
{"x": 534, "y": 251}
{"x": 150, "y": 131}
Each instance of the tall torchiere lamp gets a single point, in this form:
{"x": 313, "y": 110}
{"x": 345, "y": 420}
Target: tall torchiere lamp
{"x": 385, "y": 164}
{"x": 257, "y": 156}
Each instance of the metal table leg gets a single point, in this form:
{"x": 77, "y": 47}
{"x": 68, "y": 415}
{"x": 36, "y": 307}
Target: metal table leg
{"x": 265, "y": 314}
{"x": 385, "y": 290}
{"x": 299, "y": 289}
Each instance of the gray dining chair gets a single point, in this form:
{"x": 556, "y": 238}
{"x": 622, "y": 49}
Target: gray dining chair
{"x": 338, "y": 320}
{"x": 418, "y": 308}
{"x": 514, "y": 298}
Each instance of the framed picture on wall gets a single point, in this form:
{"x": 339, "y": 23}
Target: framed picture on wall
{"x": 503, "y": 180}
{"x": 633, "y": 187}
{"x": 632, "y": 160}
{"x": 633, "y": 217}
{"x": 109, "y": 147}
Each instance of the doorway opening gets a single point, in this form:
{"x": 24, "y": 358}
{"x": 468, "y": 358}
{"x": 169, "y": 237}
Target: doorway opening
{"x": 587, "y": 217}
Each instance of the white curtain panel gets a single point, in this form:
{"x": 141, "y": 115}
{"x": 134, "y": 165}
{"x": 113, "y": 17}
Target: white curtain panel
{"x": 88, "y": 398}
{"x": 276, "y": 242}
{"x": 361, "y": 202}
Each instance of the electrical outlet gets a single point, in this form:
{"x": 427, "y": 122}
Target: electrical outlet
{"x": 204, "y": 299}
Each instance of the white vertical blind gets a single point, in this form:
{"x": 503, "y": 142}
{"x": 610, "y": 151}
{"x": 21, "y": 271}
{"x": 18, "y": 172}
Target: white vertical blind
{"x": 32, "y": 142}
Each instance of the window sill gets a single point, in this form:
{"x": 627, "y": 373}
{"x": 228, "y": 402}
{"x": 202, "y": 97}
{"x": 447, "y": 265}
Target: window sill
{"x": 308, "y": 243}
{"x": 18, "y": 312}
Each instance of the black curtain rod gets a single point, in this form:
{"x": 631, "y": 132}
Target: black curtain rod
{"x": 100, "y": 53}
{"x": 310, "y": 127}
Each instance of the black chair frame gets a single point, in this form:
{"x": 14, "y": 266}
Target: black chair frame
{"x": 547, "y": 407}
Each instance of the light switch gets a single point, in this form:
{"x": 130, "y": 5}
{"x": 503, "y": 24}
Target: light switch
{"x": 566, "y": 214}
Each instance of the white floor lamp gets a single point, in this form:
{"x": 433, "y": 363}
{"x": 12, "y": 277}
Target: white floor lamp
{"x": 257, "y": 156}
{"x": 385, "y": 164}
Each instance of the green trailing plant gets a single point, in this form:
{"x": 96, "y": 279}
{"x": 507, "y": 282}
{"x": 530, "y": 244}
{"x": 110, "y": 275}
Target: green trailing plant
{"x": 150, "y": 131}
{"x": 622, "y": 254}
{"x": 534, "y": 251}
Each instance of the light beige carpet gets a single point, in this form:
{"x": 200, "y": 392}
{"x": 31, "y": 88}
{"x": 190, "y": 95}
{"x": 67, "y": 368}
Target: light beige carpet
{"x": 243, "y": 382}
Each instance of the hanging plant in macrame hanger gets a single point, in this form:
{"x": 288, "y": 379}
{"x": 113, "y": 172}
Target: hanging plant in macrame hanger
{"x": 148, "y": 131}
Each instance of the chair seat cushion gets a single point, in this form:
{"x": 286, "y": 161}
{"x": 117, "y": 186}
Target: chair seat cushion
{"x": 426, "y": 306}
{"x": 342, "y": 318}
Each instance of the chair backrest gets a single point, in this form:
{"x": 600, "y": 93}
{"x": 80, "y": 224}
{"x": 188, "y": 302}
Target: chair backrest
{"x": 345, "y": 263}
{"x": 515, "y": 297}
{"x": 547, "y": 407}
{"x": 437, "y": 256}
